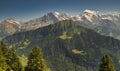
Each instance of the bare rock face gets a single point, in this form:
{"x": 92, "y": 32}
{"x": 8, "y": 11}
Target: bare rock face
{"x": 9, "y": 27}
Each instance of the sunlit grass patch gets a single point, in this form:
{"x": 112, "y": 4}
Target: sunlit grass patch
{"x": 81, "y": 52}
{"x": 64, "y": 36}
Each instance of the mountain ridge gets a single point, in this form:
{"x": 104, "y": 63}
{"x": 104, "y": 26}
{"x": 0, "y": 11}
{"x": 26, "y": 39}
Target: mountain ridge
{"x": 89, "y": 19}
{"x": 67, "y": 43}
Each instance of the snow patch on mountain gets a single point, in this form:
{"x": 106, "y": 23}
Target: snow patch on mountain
{"x": 108, "y": 18}
{"x": 56, "y": 13}
{"x": 62, "y": 16}
{"x": 90, "y": 12}
{"x": 12, "y": 21}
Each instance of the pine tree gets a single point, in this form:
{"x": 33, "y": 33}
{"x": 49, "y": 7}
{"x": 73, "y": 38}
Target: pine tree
{"x": 14, "y": 62}
{"x": 35, "y": 60}
{"x": 3, "y": 65}
{"x": 11, "y": 57}
{"x": 107, "y": 64}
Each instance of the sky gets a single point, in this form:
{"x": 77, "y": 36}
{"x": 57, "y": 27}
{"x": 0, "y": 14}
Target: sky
{"x": 24, "y": 10}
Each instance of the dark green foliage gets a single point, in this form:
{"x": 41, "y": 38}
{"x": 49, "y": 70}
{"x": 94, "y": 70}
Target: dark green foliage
{"x": 35, "y": 60}
{"x": 13, "y": 61}
{"x": 107, "y": 64}
{"x": 3, "y": 65}
{"x": 11, "y": 58}
{"x": 4, "y": 49}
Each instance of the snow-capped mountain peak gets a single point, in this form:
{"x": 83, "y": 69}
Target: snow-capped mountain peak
{"x": 108, "y": 18}
{"x": 89, "y": 15}
{"x": 61, "y": 16}
{"x": 56, "y": 13}
{"x": 90, "y": 12}
{"x": 49, "y": 14}
{"x": 12, "y": 21}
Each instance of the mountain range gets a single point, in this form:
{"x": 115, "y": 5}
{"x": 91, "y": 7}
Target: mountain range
{"x": 105, "y": 24}
{"x": 67, "y": 46}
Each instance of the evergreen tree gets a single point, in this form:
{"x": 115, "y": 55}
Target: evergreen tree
{"x": 107, "y": 64}
{"x": 35, "y": 60}
{"x": 3, "y": 65}
{"x": 12, "y": 58}
{"x": 14, "y": 62}
{"x": 4, "y": 48}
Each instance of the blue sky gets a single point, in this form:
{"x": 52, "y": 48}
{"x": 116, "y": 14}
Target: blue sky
{"x": 24, "y": 10}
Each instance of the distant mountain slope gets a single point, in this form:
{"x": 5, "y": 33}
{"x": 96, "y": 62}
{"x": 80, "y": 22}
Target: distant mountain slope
{"x": 106, "y": 24}
{"x": 8, "y": 27}
{"x": 47, "y": 19}
{"x": 68, "y": 46}
{"x": 40, "y": 22}
{"x": 11, "y": 26}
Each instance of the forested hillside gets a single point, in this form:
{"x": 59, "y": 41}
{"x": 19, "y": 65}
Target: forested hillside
{"x": 67, "y": 46}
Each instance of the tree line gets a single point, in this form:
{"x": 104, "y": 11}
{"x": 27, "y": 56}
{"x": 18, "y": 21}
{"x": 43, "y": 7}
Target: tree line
{"x": 9, "y": 60}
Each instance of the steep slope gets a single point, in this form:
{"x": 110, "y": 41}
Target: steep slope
{"x": 109, "y": 28}
{"x": 41, "y": 22}
{"x": 68, "y": 46}
{"x": 46, "y": 20}
{"x": 8, "y": 27}
{"x": 62, "y": 16}
{"x": 104, "y": 24}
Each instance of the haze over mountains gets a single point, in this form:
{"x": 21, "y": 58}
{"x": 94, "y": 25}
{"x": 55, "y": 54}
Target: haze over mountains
{"x": 67, "y": 46}
{"x": 106, "y": 24}
{"x": 67, "y": 39}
